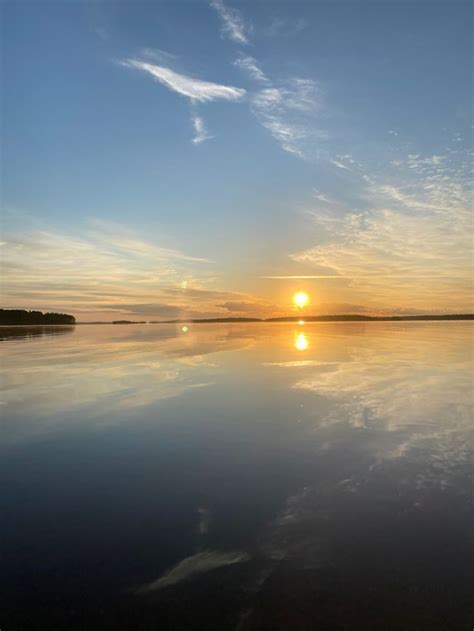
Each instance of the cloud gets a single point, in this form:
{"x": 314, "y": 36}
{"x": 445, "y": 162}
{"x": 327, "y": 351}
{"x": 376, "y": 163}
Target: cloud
{"x": 145, "y": 309}
{"x": 233, "y": 24}
{"x": 339, "y": 165}
{"x": 410, "y": 247}
{"x": 103, "y": 264}
{"x": 287, "y": 111}
{"x": 372, "y": 247}
{"x": 284, "y": 109}
{"x": 287, "y": 135}
{"x": 201, "y": 133}
{"x": 106, "y": 272}
{"x": 194, "y": 89}
{"x": 238, "y": 306}
{"x": 279, "y": 27}
{"x": 162, "y": 56}
{"x": 250, "y": 66}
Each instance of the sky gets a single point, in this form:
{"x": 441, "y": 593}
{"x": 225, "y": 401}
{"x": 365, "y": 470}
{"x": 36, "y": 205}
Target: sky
{"x": 186, "y": 159}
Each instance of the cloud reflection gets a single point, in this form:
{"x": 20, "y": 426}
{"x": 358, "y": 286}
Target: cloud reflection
{"x": 411, "y": 386}
{"x": 101, "y": 371}
{"x": 407, "y": 387}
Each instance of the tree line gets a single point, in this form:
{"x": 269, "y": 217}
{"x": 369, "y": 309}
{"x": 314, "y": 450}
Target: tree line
{"x": 22, "y": 316}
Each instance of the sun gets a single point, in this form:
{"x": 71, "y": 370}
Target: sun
{"x": 300, "y": 299}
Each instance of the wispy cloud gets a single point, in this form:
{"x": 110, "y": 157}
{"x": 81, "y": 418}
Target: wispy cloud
{"x": 339, "y": 165}
{"x": 162, "y": 56}
{"x": 286, "y": 108}
{"x": 279, "y": 27}
{"x": 409, "y": 247}
{"x": 250, "y": 306}
{"x": 250, "y": 66}
{"x": 201, "y": 133}
{"x": 287, "y": 111}
{"x": 371, "y": 247}
{"x": 233, "y": 24}
{"x": 106, "y": 271}
{"x": 105, "y": 265}
{"x": 195, "y": 89}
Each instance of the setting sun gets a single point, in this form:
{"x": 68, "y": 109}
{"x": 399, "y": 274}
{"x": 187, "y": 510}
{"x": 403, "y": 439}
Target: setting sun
{"x": 300, "y": 299}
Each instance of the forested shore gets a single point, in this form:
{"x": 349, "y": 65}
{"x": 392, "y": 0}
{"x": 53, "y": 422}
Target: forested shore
{"x": 22, "y": 316}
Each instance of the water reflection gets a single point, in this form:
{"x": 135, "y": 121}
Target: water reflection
{"x": 294, "y": 484}
{"x": 29, "y": 332}
{"x": 103, "y": 370}
{"x": 301, "y": 342}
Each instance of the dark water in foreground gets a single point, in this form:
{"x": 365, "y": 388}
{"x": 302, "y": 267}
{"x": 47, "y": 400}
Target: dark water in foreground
{"x": 265, "y": 476}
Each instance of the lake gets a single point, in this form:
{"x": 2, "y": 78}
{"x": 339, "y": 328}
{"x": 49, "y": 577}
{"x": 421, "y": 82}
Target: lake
{"x": 255, "y": 476}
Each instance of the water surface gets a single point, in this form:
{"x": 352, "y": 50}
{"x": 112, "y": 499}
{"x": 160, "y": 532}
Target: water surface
{"x": 259, "y": 476}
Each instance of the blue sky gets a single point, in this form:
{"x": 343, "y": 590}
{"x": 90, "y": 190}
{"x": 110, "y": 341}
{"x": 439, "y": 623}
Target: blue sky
{"x": 162, "y": 158}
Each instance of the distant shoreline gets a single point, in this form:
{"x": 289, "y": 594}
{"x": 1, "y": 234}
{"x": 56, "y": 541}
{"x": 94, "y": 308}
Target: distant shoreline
{"x": 324, "y": 318}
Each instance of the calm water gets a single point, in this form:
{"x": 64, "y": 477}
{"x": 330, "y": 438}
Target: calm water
{"x": 237, "y": 477}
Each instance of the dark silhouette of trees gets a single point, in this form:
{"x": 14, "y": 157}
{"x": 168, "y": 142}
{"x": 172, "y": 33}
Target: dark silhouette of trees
{"x": 129, "y": 322}
{"x": 365, "y": 318}
{"x": 21, "y": 316}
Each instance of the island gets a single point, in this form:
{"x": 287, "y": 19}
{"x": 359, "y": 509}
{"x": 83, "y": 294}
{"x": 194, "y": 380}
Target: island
{"x": 128, "y": 322}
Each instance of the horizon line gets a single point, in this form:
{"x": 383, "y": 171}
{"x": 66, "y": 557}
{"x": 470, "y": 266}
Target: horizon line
{"x": 338, "y": 276}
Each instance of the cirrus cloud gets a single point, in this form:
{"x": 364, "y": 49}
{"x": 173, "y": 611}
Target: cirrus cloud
{"x": 233, "y": 24}
{"x": 195, "y": 89}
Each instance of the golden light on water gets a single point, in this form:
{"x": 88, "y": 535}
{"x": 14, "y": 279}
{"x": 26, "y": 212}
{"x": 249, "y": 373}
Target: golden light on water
{"x": 301, "y": 342}
{"x": 301, "y": 322}
{"x": 300, "y": 299}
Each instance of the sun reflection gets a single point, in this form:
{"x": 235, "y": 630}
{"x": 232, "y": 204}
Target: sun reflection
{"x": 301, "y": 322}
{"x": 301, "y": 342}
{"x": 184, "y": 329}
